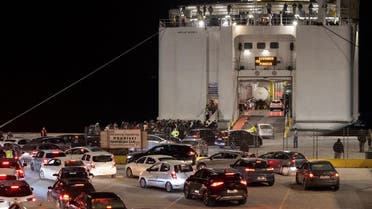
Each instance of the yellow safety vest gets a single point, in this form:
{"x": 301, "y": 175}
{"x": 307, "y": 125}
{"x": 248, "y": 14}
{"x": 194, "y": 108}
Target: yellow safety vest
{"x": 9, "y": 154}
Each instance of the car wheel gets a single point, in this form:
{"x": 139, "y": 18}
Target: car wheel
{"x": 207, "y": 200}
{"x": 143, "y": 183}
{"x": 271, "y": 182}
{"x": 336, "y": 187}
{"x": 113, "y": 176}
{"x": 129, "y": 173}
{"x": 186, "y": 192}
{"x": 168, "y": 187}
{"x": 242, "y": 202}
{"x": 201, "y": 166}
{"x": 297, "y": 181}
{"x": 41, "y": 175}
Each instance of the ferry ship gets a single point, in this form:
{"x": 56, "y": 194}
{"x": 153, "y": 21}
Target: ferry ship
{"x": 235, "y": 53}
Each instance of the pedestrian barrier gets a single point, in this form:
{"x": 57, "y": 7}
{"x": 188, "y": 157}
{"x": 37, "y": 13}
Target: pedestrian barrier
{"x": 349, "y": 163}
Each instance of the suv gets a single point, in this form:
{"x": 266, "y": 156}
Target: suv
{"x": 284, "y": 162}
{"x": 43, "y": 156}
{"x": 63, "y": 190}
{"x": 208, "y": 134}
{"x": 178, "y": 151}
{"x": 213, "y": 185}
{"x": 100, "y": 163}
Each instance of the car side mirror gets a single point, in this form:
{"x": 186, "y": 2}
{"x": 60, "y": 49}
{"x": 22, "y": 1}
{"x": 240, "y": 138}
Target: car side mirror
{"x": 24, "y": 164}
{"x": 90, "y": 174}
{"x": 55, "y": 174}
{"x": 49, "y": 187}
{"x": 148, "y": 169}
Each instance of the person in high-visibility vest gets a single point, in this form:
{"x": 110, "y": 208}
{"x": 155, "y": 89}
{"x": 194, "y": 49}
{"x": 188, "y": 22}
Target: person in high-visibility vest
{"x": 253, "y": 129}
{"x": 8, "y": 153}
{"x": 175, "y": 133}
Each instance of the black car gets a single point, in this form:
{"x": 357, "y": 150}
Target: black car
{"x": 319, "y": 173}
{"x": 208, "y": 134}
{"x": 178, "y": 151}
{"x": 255, "y": 170}
{"x": 73, "y": 172}
{"x": 236, "y": 138}
{"x": 219, "y": 184}
{"x": 97, "y": 200}
{"x": 65, "y": 190}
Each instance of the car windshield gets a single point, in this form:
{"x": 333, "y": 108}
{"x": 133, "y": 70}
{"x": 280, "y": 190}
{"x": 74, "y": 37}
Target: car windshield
{"x": 192, "y": 143}
{"x": 15, "y": 191}
{"x": 55, "y": 154}
{"x": 104, "y": 203}
{"x": 183, "y": 168}
{"x": 265, "y": 127}
{"x": 321, "y": 167}
{"x": 74, "y": 163}
{"x": 102, "y": 158}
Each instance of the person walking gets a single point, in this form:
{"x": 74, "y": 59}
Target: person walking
{"x": 338, "y": 148}
{"x": 43, "y": 132}
{"x": 362, "y": 140}
{"x": 295, "y": 138}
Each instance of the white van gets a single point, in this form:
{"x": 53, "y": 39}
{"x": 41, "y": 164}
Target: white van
{"x": 100, "y": 163}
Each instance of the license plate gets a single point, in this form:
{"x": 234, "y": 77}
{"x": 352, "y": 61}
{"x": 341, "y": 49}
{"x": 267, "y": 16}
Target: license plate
{"x": 261, "y": 178}
{"x": 324, "y": 177}
{"x": 232, "y": 191}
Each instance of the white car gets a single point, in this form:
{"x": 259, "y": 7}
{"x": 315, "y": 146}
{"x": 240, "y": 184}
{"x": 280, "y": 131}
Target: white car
{"x": 136, "y": 167}
{"x": 265, "y": 130}
{"x": 100, "y": 163}
{"x": 54, "y": 165}
{"x": 276, "y": 104}
{"x": 37, "y": 204}
{"x": 14, "y": 191}
{"x": 170, "y": 175}
{"x": 78, "y": 152}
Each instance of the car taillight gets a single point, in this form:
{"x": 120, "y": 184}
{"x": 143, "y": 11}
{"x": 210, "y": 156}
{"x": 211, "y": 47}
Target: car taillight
{"x": 20, "y": 173}
{"x": 45, "y": 161}
{"x": 5, "y": 162}
{"x": 65, "y": 197}
{"x": 311, "y": 175}
{"x": 33, "y": 199}
{"x": 293, "y": 161}
{"x": 249, "y": 169}
{"x": 270, "y": 169}
{"x": 173, "y": 174}
{"x": 114, "y": 164}
{"x": 92, "y": 165}
{"x": 243, "y": 182}
{"x": 191, "y": 153}
{"x": 14, "y": 187}
{"x": 335, "y": 174}
{"x": 217, "y": 183}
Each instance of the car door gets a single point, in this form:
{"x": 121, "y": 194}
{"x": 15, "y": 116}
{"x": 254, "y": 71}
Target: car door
{"x": 300, "y": 172}
{"x": 51, "y": 167}
{"x": 137, "y": 165}
{"x": 198, "y": 182}
{"x": 55, "y": 191}
{"x": 151, "y": 174}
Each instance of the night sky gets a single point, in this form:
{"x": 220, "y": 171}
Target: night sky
{"x": 48, "y": 45}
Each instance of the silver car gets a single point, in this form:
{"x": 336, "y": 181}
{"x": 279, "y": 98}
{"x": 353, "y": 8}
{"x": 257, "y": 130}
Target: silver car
{"x": 265, "y": 130}
{"x": 170, "y": 175}
{"x": 136, "y": 167}
{"x": 222, "y": 159}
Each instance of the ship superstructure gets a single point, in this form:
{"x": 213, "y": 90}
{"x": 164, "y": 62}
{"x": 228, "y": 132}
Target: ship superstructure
{"x": 303, "y": 53}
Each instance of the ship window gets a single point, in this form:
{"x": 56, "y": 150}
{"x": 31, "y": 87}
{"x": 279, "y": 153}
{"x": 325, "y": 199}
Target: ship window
{"x": 248, "y": 45}
{"x": 274, "y": 45}
{"x": 261, "y": 45}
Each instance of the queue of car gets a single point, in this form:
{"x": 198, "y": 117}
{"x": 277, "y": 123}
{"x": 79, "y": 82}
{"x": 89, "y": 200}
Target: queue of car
{"x": 223, "y": 176}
